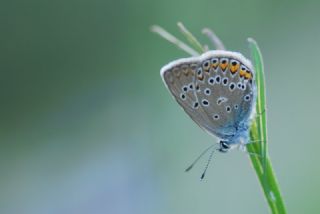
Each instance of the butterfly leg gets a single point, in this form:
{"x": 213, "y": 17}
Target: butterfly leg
{"x": 214, "y": 39}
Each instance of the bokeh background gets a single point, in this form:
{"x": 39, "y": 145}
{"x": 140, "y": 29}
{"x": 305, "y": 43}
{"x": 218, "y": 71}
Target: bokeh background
{"x": 87, "y": 126}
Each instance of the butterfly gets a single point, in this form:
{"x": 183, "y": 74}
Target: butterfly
{"x": 216, "y": 89}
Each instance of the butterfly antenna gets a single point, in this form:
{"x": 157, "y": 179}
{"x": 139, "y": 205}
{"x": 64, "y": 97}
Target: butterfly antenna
{"x": 198, "y": 158}
{"x": 214, "y": 39}
{"x": 209, "y": 160}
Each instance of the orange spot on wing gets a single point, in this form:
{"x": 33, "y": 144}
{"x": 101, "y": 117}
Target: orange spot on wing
{"x": 248, "y": 75}
{"x": 234, "y": 68}
{"x": 215, "y": 65}
{"x": 242, "y": 72}
{"x": 223, "y": 66}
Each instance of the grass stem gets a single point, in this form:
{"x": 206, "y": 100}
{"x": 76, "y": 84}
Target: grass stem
{"x": 258, "y": 132}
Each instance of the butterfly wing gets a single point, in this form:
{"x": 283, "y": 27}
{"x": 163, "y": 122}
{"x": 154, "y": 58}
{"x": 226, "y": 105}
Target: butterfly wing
{"x": 226, "y": 90}
{"x": 197, "y": 84}
{"x": 179, "y": 77}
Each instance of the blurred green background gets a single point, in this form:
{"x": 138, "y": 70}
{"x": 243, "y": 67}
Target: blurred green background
{"x": 87, "y": 125}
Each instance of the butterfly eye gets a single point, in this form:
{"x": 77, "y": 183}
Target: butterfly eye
{"x": 224, "y": 145}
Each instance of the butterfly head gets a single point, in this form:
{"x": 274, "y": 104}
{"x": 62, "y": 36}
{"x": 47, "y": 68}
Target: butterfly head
{"x": 224, "y": 146}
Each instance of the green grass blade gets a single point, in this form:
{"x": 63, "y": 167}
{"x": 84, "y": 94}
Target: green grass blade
{"x": 172, "y": 39}
{"x": 191, "y": 38}
{"x": 215, "y": 40}
{"x": 258, "y": 132}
